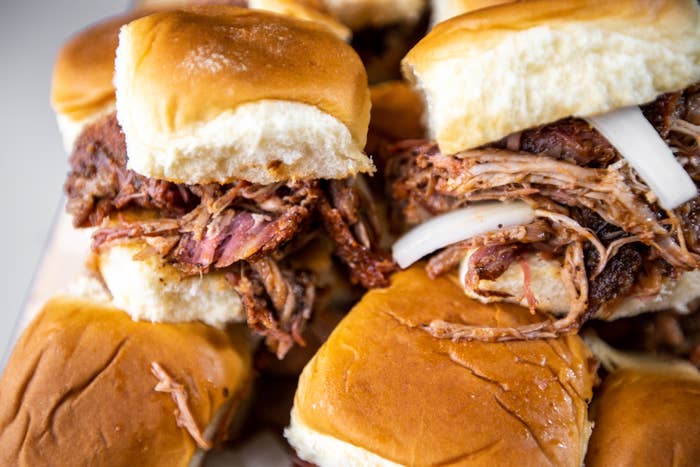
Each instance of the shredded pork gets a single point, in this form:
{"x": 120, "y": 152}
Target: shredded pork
{"x": 593, "y": 212}
{"x": 249, "y": 231}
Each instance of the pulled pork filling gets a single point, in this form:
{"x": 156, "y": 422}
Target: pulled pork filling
{"x": 248, "y": 230}
{"x": 593, "y": 212}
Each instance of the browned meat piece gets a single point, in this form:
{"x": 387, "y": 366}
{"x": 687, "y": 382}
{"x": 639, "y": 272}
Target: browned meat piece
{"x": 354, "y": 236}
{"x": 99, "y": 182}
{"x": 278, "y": 301}
{"x": 571, "y": 140}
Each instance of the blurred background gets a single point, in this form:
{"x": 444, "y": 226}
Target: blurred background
{"x": 32, "y": 160}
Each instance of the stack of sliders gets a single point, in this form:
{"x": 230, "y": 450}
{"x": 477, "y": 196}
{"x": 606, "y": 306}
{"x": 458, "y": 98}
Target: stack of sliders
{"x": 224, "y": 170}
{"x": 527, "y": 195}
{"x": 220, "y": 174}
{"x": 230, "y": 161}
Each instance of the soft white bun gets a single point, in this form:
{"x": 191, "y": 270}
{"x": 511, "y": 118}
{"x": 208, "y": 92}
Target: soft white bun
{"x": 216, "y": 94}
{"x": 324, "y": 450}
{"x": 445, "y": 9}
{"x": 149, "y": 290}
{"x": 551, "y": 295}
{"x": 492, "y": 72}
{"x": 359, "y": 14}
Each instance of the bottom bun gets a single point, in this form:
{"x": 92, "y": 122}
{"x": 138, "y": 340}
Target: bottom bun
{"x": 86, "y": 385}
{"x": 647, "y": 417}
{"x": 383, "y": 391}
{"x": 150, "y": 290}
{"x": 549, "y": 290}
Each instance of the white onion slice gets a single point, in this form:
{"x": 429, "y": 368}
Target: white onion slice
{"x": 639, "y": 143}
{"x": 455, "y": 226}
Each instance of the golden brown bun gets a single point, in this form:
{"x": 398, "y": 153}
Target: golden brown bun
{"x": 446, "y": 9}
{"x": 383, "y": 389}
{"x": 492, "y": 72}
{"x": 219, "y": 93}
{"x": 310, "y": 10}
{"x": 646, "y": 418}
{"x": 301, "y": 10}
{"x": 397, "y": 111}
{"x": 78, "y": 388}
{"x": 81, "y": 87}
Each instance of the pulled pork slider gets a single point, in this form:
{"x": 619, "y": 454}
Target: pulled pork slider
{"x": 645, "y": 413}
{"x": 235, "y": 146}
{"x": 544, "y": 184}
{"x": 445, "y": 9}
{"x": 86, "y": 385}
{"x": 383, "y": 391}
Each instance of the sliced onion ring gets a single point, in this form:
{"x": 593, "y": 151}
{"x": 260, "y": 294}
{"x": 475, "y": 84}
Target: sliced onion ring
{"x": 458, "y": 225}
{"x": 639, "y": 143}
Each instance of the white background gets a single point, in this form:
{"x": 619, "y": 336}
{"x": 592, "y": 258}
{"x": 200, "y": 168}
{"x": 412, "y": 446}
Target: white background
{"x": 32, "y": 161}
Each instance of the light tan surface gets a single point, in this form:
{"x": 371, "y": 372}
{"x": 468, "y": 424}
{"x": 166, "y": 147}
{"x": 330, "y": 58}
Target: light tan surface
{"x": 446, "y": 9}
{"x": 78, "y": 388}
{"x": 646, "y": 418}
{"x": 383, "y": 385}
{"x": 219, "y": 93}
{"x": 493, "y": 72}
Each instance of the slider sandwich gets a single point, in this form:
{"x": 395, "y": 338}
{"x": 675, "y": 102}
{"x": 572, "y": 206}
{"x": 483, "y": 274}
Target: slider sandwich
{"x": 645, "y": 413}
{"x": 86, "y": 385}
{"x": 235, "y": 150}
{"x": 563, "y": 164}
{"x": 382, "y": 391}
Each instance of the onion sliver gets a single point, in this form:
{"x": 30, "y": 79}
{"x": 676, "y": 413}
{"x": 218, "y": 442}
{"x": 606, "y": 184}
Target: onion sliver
{"x": 639, "y": 143}
{"x": 455, "y": 226}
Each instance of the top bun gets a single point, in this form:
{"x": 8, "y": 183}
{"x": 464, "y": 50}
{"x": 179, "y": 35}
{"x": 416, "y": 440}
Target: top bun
{"x": 382, "y": 390}
{"x": 359, "y": 14}
{"x": 78, "y": 388}
{"x": 311, "y": 10}
{"x": 216, "y": 94}
{"x": 496, "y": 71}
{"x": 446, "y": 9}
{"x": 301, "y": 10}
{"x": 646, "y": 417}
{"x": 81, "y": 88}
